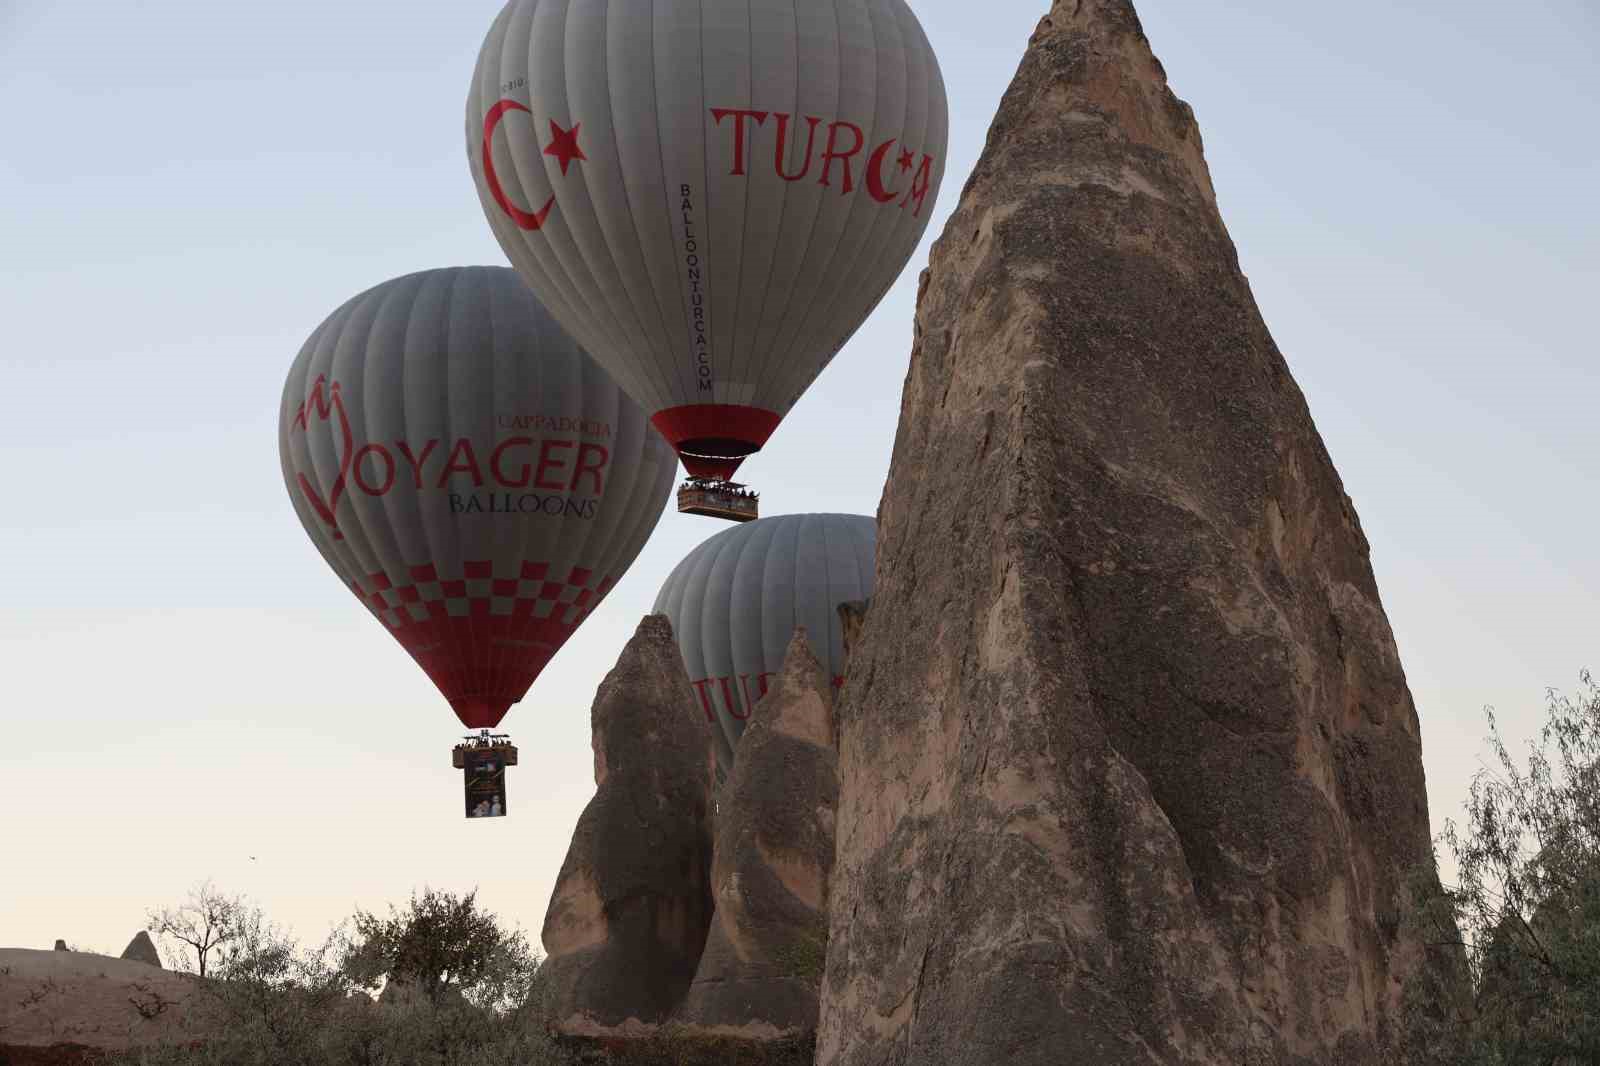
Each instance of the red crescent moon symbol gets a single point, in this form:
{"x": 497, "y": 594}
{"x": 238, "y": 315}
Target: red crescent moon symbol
{"x": 875, "y": 174}
{"x": 525, "y": 219}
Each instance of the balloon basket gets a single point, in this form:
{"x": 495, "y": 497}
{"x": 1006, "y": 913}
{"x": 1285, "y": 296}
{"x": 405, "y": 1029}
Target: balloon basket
{"x": 482, "y": 760}
{"x": 718, "y": 499}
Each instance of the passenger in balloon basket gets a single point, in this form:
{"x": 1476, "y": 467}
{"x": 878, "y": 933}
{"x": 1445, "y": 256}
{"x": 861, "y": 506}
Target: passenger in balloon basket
{"x": 483, "y": 759}
{"x": 718, "y": 499}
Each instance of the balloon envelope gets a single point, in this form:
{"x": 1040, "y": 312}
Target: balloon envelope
{"x": 735, "y": 601}
{"x": 469, "y": 473}
{"x": 711, "y": 195}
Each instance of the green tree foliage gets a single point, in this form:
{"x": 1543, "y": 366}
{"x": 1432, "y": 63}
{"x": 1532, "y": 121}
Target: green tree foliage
{"x": 459, "y": 990}
{"x": 444, "y": 947}
{"x": 1524, "y": 918}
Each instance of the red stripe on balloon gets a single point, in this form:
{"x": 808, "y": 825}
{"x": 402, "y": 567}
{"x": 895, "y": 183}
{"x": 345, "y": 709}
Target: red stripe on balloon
{"x": 727, "y": 421}
{"x": 748, "y": 426}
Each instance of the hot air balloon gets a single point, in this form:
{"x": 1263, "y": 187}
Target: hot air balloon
{"x": 475, "y": 479}
{"x": 711, "y": 195}
{"x": 734, "y": 603}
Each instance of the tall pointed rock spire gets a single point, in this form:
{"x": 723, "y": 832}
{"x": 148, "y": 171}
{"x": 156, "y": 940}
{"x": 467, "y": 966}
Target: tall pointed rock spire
{"x": 1129, "y": 769}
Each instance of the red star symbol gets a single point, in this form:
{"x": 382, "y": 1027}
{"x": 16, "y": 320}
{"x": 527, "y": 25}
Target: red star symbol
{"x": 905, "y": 159}
{"x": 564, "y": 145}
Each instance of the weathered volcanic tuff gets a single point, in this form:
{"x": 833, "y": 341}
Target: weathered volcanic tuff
{"x": 632, "y": 905}
{"x": 1129, "y": 771}
{"x": 852, "y": 618}
{"x": 762, "y": 967}
{"x": 56, "y": 998}
{"x": 142, "y": 949}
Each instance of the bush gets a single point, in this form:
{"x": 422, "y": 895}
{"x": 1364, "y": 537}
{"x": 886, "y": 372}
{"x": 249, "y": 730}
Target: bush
{"x": 674, "y": 1047}
{"x": 356, "y": 1034}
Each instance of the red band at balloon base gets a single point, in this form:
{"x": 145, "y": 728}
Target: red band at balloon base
{"x": 712, "y": 439}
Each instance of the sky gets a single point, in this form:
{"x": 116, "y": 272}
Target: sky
{"x": 190, "y": 187}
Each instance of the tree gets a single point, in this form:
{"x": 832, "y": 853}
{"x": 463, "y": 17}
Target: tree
{"x": 203, "y": 923}
{"x": 444, "y": 946}
{"x": 1525, "y": 913}
{"x": 272, "y": 1002}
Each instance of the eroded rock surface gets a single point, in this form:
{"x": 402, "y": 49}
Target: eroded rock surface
{"x": 1129, "y": 769}
{"x": 762, "y": 967}
{"x": 630, "y": 910}
{"x": 852, "y": 618}
{"x": 59, "y": 997}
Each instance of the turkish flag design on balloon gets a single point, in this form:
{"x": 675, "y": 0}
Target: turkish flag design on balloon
{"x": 470, "y": 474}
{"x": 711, "y": 197}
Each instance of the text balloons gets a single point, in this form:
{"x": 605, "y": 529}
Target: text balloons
{"x": 711, "y": 195}
{"x": 470, "y": 473}
{"x": 734, "y": 603}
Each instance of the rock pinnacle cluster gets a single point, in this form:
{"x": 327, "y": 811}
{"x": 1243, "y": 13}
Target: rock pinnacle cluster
{"x": 1124, "y": 769}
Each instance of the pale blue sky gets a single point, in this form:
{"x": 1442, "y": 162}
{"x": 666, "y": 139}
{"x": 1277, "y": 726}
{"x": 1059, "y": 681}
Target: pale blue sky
{"x": 189, "y": 188}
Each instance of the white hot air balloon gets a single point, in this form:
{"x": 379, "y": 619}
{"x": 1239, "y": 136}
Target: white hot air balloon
{"x": 711, "y": 195}
{"x": 469, "y": 473}
{"x": 734, "y": 603}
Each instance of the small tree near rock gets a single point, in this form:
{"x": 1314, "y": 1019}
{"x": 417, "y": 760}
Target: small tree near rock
{"x": 443, "y": 946}
{"x": 202, "y": 924}
{"x": 1524, "y": 918}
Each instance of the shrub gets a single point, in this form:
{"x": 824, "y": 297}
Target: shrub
{"x": 1524, "y": 917}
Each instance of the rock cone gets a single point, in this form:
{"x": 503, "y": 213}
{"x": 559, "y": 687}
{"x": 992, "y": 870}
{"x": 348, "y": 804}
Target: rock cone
{"x": 142, "y": 949}
{"x": 762, "y": 967}
{"x": 630, "y": 910}
{"x": 1129, "y": 769}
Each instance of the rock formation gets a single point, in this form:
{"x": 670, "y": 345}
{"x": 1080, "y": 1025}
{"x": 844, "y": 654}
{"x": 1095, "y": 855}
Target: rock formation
{"x": 630, "y": 910}
{"x": 1129, "y": 769}
{"x": 50, "y": 999}
{"x": 142, "y": 949}
{"x": 61, "y": 945}
{"x": 762, "y": 967}
{"x": 852, "y": 618}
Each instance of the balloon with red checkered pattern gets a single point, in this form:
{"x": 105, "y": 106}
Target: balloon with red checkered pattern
{"x": 470, "y": 474}
{"x": 711, "y": 195}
